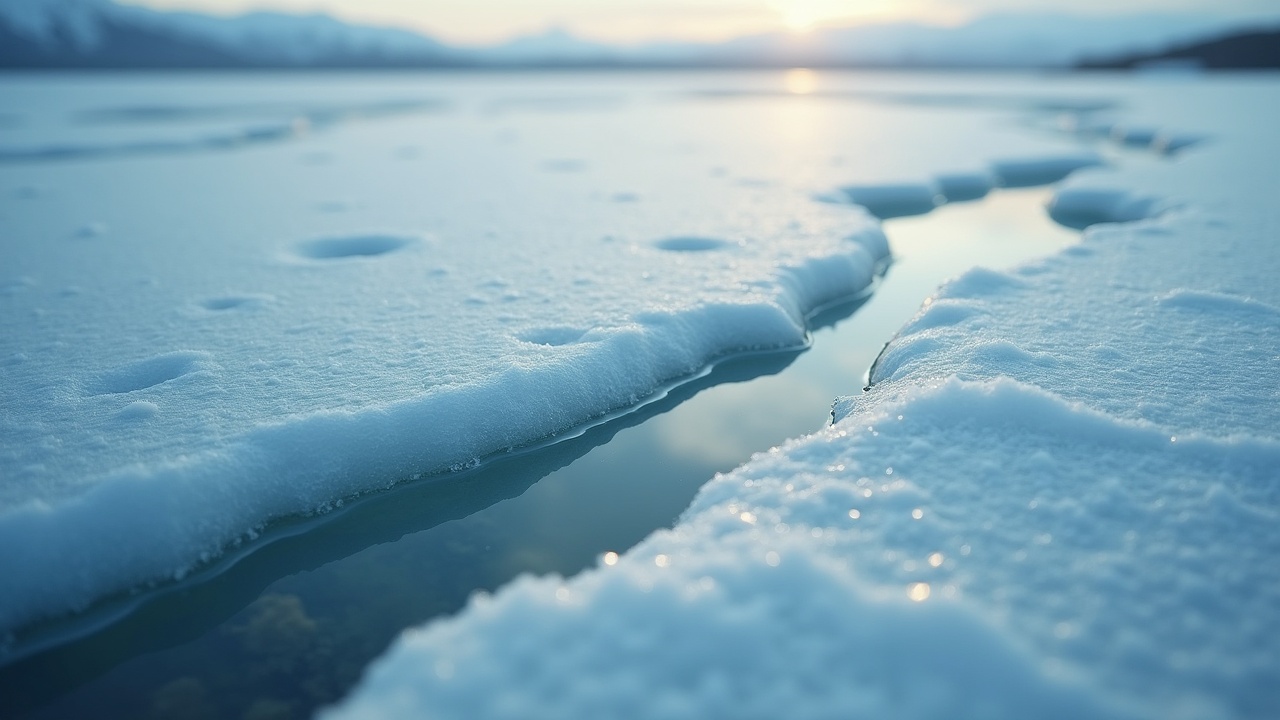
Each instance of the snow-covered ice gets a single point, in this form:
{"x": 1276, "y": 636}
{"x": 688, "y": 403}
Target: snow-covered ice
{"x": 1057, "y": 499}
{"x": 225, "y": 353}
{"x": 255, "y": 300}
{"x": 209, "y": 326}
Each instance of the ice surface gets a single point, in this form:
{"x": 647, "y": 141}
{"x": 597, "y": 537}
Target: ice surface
{"x": 205, "y": 337}
{"x": 1058, "y": 499}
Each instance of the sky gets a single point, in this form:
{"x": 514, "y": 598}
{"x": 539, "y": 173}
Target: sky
{"x": 480, "y": 22}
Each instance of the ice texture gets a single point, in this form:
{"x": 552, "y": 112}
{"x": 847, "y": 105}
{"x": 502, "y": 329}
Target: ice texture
{"x": 1058, "y": 498}
{"x": 221, "y": 365}
{"x": 209, "y": 327}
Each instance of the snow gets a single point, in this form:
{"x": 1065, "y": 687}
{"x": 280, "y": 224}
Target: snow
{"x": 1057, "y": 499}
{"x": 260, "y": 330}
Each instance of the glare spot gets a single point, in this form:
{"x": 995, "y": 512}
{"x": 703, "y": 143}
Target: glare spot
{"x": 866, "y": 492}
{"x": 936, "y": 559}
{"x": 800, "y": 81}
{"x": 888, "y": 471}
{"x": 965, "y": 550}
{"x": 661, "y": 560}
{"x": 1173, "y": 438}
{"x": 918, "y": 592}
{"x": 772, "y": 559}
{"x": 917, "y": 514}
{"x": 855, "y": 514}
{"x": 748, "y": 517}
{"x": 611, "y": 558}
{"x": 562, "y": 594}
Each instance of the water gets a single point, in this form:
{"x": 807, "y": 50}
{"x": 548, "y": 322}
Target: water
{"x": 290, "y": 627}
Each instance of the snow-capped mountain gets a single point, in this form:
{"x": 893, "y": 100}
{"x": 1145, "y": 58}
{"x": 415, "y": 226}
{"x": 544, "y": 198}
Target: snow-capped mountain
{"x": 998, "y": 40}
{"x": 102, "y": 33}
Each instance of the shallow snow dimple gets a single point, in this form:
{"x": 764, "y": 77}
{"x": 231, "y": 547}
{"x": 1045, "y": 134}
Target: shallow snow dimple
{"x": 232, "y": 302}
{"x": 692, "y": 244}
{"x": 553, "y": 336}
{"x": 355, "y": 246}
{"x": 148, "y": 373}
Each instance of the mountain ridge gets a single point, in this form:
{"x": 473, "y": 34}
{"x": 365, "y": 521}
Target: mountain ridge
{"x": 88, "y": 34}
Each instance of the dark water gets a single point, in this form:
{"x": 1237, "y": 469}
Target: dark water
{"x": 291, "y": 626}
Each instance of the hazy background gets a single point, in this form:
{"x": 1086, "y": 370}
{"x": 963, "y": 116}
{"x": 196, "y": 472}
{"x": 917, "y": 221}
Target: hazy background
{"x": 634, "y": 33}
{"x": 633, "y": 21}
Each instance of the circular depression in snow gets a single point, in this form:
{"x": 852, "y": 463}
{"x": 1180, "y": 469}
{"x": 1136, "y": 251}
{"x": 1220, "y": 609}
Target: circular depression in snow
{"x": 338, "y": 248}
{"x": 691, "y": 244}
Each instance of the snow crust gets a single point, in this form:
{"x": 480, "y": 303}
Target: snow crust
{"x": 1058, "y": 499}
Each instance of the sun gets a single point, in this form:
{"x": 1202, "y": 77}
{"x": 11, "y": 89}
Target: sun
{"x": 798, "y": 17}
{"x": 801, "y": 16}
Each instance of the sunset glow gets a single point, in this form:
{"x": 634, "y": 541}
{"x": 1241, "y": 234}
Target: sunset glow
{"x": 482, "y": 22}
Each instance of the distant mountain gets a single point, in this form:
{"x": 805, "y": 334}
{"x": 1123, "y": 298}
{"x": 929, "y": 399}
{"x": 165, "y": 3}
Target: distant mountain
{"x": 103, "y": 34}
{"x": 998, "y": 40}
{"x": 1252, "y": 50}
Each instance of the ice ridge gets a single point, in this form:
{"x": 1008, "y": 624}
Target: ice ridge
{"x": 304, "y": 463}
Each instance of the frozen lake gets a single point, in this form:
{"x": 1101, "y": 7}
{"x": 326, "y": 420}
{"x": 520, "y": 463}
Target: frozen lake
{"x": 239, "y": 301}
